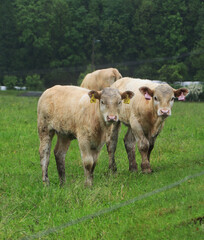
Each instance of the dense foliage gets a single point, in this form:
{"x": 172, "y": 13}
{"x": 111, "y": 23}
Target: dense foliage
{"x": 58, "y": 39}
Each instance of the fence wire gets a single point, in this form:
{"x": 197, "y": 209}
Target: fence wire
{"x": 79, "y": 68}
{"x": 110, "y": 209}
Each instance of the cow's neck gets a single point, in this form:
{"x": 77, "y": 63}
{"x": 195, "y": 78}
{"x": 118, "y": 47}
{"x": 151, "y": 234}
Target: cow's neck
{"x": 157, "y": 126}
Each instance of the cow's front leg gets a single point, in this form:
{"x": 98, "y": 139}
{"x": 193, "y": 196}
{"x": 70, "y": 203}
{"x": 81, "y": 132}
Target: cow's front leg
{"x": 143, "y": 145}
{"x": 89, "y": 158}
{"x": 111, "y": 144}
{"x": 130, "y": 143}
{"x": 89, "y": 166}
{"x": 151, "y": 146}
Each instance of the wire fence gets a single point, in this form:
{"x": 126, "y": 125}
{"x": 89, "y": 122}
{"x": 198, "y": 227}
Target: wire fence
{"x": 157, "y": 68}
{"x": 110, "y": 209}
{"x": 80, "y": 68}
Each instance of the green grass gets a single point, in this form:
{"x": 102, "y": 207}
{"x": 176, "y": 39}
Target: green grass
{"x": 26, "y": 207}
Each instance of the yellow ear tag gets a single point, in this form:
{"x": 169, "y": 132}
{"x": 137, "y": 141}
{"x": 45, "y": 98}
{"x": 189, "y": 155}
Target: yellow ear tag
{"x": 93, "y": 99}
{"x": 127, "y": 100}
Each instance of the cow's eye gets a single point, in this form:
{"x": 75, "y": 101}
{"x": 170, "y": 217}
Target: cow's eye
{"x": 102, "y": 102}
{"x": 155, "y": 98}
{"x": 172, "y": 99}
{"x": 119, "y": 103}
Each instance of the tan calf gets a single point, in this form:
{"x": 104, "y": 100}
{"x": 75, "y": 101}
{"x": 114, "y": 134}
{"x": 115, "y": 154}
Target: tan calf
{"x": 76, "y": 113}
{"x": 101, "y": 79}
{"x": 144, "y": 116}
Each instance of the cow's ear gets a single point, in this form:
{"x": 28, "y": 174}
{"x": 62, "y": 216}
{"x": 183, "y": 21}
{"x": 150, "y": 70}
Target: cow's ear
{"x": 147, "y": 92}
{"x": 181, "y": 93}
{"x": 127, "y": 95}
{"x": 94, "y": 95}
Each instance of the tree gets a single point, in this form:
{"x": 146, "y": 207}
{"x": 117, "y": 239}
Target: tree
{"x": 197, "y": 58}
{"x": 8, "y": 36}
{"x": 173, "y": 73}
{"x": 10, "y": 81}
{"x": 33, "y": 82}
{"x": 141, "y": 36}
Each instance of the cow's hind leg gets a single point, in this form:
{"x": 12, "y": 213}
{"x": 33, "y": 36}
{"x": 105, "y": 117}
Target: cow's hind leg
{"x": 130, "y": 143}
{"x": 60, "y": 153}
{"x": 44, "y": 150}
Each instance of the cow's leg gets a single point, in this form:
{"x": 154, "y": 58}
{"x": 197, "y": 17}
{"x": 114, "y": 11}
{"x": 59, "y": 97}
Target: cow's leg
{"x": 60, "y": 153}
{"x": 89, "y": 161}
{"x": 143, "y": 145}
{"x": 89, "y": 166}
{"x": 130, "y": 143}
{"x": 44, "y": 150}
{"x": 111, "y": 144}
{"x": 151, "y": 146}
{"x": 154, "y": 133}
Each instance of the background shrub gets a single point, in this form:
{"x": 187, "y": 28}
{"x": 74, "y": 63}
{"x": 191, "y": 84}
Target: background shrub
{"x": 172, "y": 73}
{"x": 33, "y": 82}
{"x": 195, "y": 92}
{"x": 10, "y": 81}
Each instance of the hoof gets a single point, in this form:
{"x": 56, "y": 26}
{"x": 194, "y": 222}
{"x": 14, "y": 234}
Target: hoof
{"x": 147, "y": 171}
{"x": 46, "y": 183}
{"x": 88, "y": 183}
{"x": 146, "y": 167}
{"x": 133, "y": 169}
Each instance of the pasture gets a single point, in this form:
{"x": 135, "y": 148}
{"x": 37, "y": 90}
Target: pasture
{"x": 26, "y": 207}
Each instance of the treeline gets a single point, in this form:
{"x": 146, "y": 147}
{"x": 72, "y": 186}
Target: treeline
{"x": 59, "y": 39}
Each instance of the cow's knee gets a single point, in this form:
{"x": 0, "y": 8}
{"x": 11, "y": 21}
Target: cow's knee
{"x": 143, "y": 145}
{"x": 89, "y": 166}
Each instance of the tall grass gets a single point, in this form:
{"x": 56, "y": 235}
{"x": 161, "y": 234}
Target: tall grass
{"x": 26, "y": 207}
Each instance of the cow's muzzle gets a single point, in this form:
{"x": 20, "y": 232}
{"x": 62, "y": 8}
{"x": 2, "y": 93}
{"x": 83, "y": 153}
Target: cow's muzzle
{"x": 112, "y": 118}
{"x": 164, "y": 112}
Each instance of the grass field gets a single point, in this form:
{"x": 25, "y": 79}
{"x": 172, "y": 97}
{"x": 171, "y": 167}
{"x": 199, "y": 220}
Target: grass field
{"x": 26, "y": 207}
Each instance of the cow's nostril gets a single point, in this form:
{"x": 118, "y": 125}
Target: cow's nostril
{"x": 111, "y": 118}
{"x": 164, "y": 112}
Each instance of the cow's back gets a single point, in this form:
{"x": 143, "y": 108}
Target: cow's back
{"x": 133, "y": 84}
{"x": 90, "y": 81}
{"x": 101, "y": 79}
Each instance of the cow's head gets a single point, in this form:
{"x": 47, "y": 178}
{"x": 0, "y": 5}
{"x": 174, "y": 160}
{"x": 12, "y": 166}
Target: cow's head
{"x": 163, "y": 97}
{"x": 110, "y": 102}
